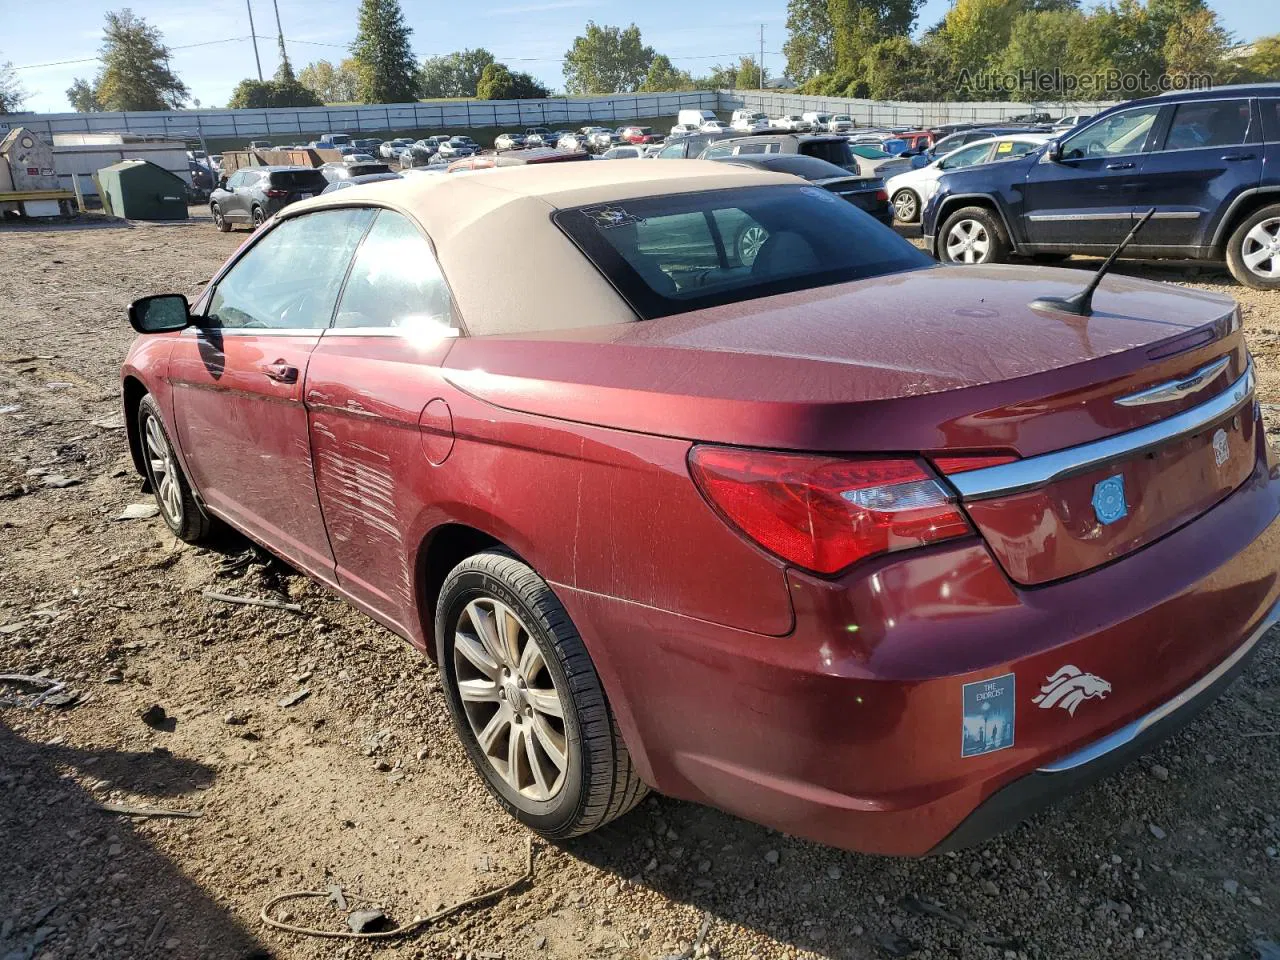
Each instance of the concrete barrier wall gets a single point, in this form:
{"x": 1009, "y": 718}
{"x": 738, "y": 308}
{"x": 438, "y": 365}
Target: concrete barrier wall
{"x": 892, "y": 113}
{"x": 304, "y": 123}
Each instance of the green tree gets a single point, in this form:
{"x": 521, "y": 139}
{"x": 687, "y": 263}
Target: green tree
{"x": 1052, "y": 46}
{"x": 455, "y": 74}
{"x": 663, "y": 75}
{"x": 857, "y": 25}
{"x": 810, "y": 43}
{"x": 607, "y": 60}
{"x": 135, "y": 72}
{"x": 385, "y": 68}
{"x": 257, "y": 94}
{"x": 12, "y": 96}
{"x": 973, "y": 38}
{"x": 1196, "y": 46}
{"x": 1262, "y": 62}
{"x": 498, "y": 82}
{"x": 747, "y": 74}
{"x": 898, "y": 69}
{"x": 81, "y": 96}
{"x": 331, "y": 84}
{"x": 720, "y": 78}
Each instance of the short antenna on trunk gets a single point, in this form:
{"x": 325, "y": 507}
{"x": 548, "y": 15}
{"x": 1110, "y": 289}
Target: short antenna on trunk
{"x": 1081, "y": 304}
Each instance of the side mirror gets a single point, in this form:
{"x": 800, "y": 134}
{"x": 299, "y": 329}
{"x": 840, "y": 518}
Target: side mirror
{"x": 160, "y": 314}
{"x": 222, "y": 182}
{"x": 1054, "y": 151}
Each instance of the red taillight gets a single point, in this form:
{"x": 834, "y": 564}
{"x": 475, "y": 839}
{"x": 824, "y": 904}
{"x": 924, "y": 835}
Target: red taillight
{"x": 882, "y": 194}
{"x": 277, "y": 194}
{"x": 950, "y": 465}
{"x": 824, "y": 514}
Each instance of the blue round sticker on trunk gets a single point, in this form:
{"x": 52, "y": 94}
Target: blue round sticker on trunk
{"x": 1108, "y": 500}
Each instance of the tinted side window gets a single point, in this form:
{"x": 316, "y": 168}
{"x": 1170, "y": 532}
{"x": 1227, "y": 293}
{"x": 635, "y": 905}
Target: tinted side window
{"x": 290, "y": 278}
{"x": 395, "y": 281}
{"x": 1270, "y": 120}
{"x": 1118, "y": 135}
{"x": 1218, "y": 123}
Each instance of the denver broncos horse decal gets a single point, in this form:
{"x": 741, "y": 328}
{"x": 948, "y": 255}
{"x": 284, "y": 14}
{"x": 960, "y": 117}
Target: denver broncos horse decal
{"x": 1069, "y": 687}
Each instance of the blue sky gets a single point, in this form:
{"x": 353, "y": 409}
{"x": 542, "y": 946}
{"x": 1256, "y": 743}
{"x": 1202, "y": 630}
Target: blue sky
{"x": 530, "y": 35}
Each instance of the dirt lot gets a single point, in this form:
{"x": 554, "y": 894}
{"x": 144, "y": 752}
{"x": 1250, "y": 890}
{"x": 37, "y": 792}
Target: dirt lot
{"x": 362, "y": 784}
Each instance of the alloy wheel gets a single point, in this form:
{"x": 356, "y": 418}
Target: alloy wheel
{"x": 218, "y": 219}
{"x": 1260, "y": 250}
{"x": 749, "y": 243}
{"x": 259, "y": 218}
{"x": 968, "y": 242}
{"x": 510, "y": 699}
{"x": 164, "y": 473}
{"x": 904, "y": 206}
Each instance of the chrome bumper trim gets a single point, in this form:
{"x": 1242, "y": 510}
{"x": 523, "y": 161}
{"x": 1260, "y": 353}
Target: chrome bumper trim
{"x": 1020, "y": 475}
{"x": 1118, "y": 738}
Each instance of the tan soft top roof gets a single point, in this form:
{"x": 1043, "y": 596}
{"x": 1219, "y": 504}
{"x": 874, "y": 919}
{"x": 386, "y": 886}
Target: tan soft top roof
{"x": 511, "y": 268}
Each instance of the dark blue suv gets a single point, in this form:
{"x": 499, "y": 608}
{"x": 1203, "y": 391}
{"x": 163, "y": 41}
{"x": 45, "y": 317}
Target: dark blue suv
{"x": 1208, "y": 161}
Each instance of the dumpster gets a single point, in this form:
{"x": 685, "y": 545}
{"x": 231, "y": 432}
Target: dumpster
{"x": 141, "y": 190}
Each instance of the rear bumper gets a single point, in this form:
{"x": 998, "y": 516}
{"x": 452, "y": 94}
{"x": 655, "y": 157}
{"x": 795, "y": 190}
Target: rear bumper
{"x": 1035, "y": 791}
{"x": 852, "y": 729}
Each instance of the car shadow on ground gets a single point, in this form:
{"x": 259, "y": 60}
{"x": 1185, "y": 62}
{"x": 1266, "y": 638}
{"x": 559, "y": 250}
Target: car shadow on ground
{"x": 78, "y": 881}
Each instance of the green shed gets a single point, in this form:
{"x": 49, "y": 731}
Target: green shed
{"x": 141, "y": 190}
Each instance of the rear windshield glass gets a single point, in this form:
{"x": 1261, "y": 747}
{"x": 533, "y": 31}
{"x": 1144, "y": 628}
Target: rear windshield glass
{"x": 364, "y": 169}
{"x": 299, "y": 179}
{"x": 811, "y": 168}
{"x": 832, "y": 151}
{"x": 672, "y": 254}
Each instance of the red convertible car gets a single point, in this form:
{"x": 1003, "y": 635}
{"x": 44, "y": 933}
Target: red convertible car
{"x": 727, "y": 520}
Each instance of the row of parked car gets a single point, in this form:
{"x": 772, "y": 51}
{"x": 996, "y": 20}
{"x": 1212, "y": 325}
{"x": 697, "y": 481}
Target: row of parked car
{"x": 1204, "y": 163}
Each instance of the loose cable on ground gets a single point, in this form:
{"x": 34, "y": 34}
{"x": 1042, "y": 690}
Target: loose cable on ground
{"x": 265, "y": 913}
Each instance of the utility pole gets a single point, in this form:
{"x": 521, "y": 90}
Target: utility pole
{"x": 254, "y": 34}
{"x": 762, "y": 56}
{"x": 284, "y": 57}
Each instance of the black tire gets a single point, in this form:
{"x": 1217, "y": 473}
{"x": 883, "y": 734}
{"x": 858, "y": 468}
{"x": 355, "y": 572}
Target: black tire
{"x": 906, "y": 206}
{"x": 599, "y": 781}
{"x": 994, "y": 248}
{"x": 259, "y": 216}
{"x": 1267, "y": 223}
{"x": 180, "y": 511}
{"x": 219, "y": 220}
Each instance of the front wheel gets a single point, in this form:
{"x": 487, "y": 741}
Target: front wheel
{"x": 906, "y": 206}
{"x": 973, "y": 235}
{"x": 527, "y": 702}
{"x": 178, "y": 506}
{"x": 220, "y": 219}
{"x": 1253, "y": 252}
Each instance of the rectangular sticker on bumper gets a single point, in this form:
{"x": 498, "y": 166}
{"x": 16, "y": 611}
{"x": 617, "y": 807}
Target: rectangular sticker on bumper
{"x": 987, "y": 715}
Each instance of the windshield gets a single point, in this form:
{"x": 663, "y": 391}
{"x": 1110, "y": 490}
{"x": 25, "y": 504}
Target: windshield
{"x": 832, "y": 151}
{"x": 299, "y": 179}
{"x": 671, "y": 254}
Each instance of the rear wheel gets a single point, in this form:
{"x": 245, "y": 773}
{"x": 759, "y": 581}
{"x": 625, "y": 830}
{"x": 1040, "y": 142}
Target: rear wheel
{"x": 527, "y": 702}
{"x": 906, "y": 206}
{"x": 219, "y": 219}
{"x": 1253, "y": 252}
{"x": 178, "y": 506}
{"x": 973, "y": 235}
{"x": 259, "y": 217}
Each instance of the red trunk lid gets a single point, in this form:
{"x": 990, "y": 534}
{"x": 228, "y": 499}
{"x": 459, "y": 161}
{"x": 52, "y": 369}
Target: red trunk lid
{"x": 940, "y": 361}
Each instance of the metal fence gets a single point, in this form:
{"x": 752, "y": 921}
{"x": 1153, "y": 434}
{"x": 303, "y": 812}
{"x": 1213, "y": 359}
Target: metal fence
{"x": 892, "y": 113}
{"x": 306, "y": 122}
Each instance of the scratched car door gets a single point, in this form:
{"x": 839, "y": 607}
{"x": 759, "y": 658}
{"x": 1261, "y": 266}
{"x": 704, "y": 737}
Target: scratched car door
{"x": 379, "y": 412}
{"x": 238, "y": 376}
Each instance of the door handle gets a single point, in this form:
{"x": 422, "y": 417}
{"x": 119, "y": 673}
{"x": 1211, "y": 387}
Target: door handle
{"x": 281, "y": 371}
{"x": 1232, "y": 157}
{"x": 1126, "y": 165}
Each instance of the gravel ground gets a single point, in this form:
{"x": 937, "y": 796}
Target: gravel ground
{"x": 361, "y": 782}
